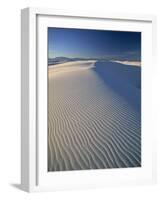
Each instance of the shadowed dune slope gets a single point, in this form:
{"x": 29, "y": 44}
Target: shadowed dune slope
{"x": 94, "y": 117}
{"x": 125, "y": 80}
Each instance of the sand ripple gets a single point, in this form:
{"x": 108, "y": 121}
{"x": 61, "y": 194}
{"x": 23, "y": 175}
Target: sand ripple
{"x": 90, "y": 126}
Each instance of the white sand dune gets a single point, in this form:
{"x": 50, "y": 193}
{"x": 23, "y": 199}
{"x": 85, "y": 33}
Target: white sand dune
{"x": 133, "y": 63}
{"x": 70, "y": 66}
{"x": 90, "y": 124}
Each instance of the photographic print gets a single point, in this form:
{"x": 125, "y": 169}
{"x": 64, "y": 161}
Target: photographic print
{"x": 94, "y": 99}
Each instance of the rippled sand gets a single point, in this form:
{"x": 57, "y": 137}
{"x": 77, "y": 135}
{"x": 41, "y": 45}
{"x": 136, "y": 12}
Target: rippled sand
{"x": 90, "y": 124}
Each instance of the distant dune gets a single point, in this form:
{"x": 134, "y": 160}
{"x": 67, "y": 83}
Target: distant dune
{"x": 94, "y": 116}
{"x": 133, "y": 63}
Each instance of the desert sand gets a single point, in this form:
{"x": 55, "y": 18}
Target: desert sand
{"x": 132, "y": 63}
{"x": 94, "y": 117}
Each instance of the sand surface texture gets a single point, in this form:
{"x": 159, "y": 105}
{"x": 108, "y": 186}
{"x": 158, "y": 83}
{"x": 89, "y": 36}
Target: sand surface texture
{"x": 94, "y": 117}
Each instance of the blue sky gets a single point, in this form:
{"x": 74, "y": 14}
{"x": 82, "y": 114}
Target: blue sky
{"x": 83, "y": 43}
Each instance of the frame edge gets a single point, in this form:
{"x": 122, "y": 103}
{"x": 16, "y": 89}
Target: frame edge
{"x": 28, "y": 99}
{"x": 25, "y": 99}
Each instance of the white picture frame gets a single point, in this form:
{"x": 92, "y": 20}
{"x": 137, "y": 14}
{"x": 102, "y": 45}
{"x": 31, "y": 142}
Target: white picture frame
{"x": 33, "y": 153}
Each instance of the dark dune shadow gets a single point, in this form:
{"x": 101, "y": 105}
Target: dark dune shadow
{"x": 125, "y": 80}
